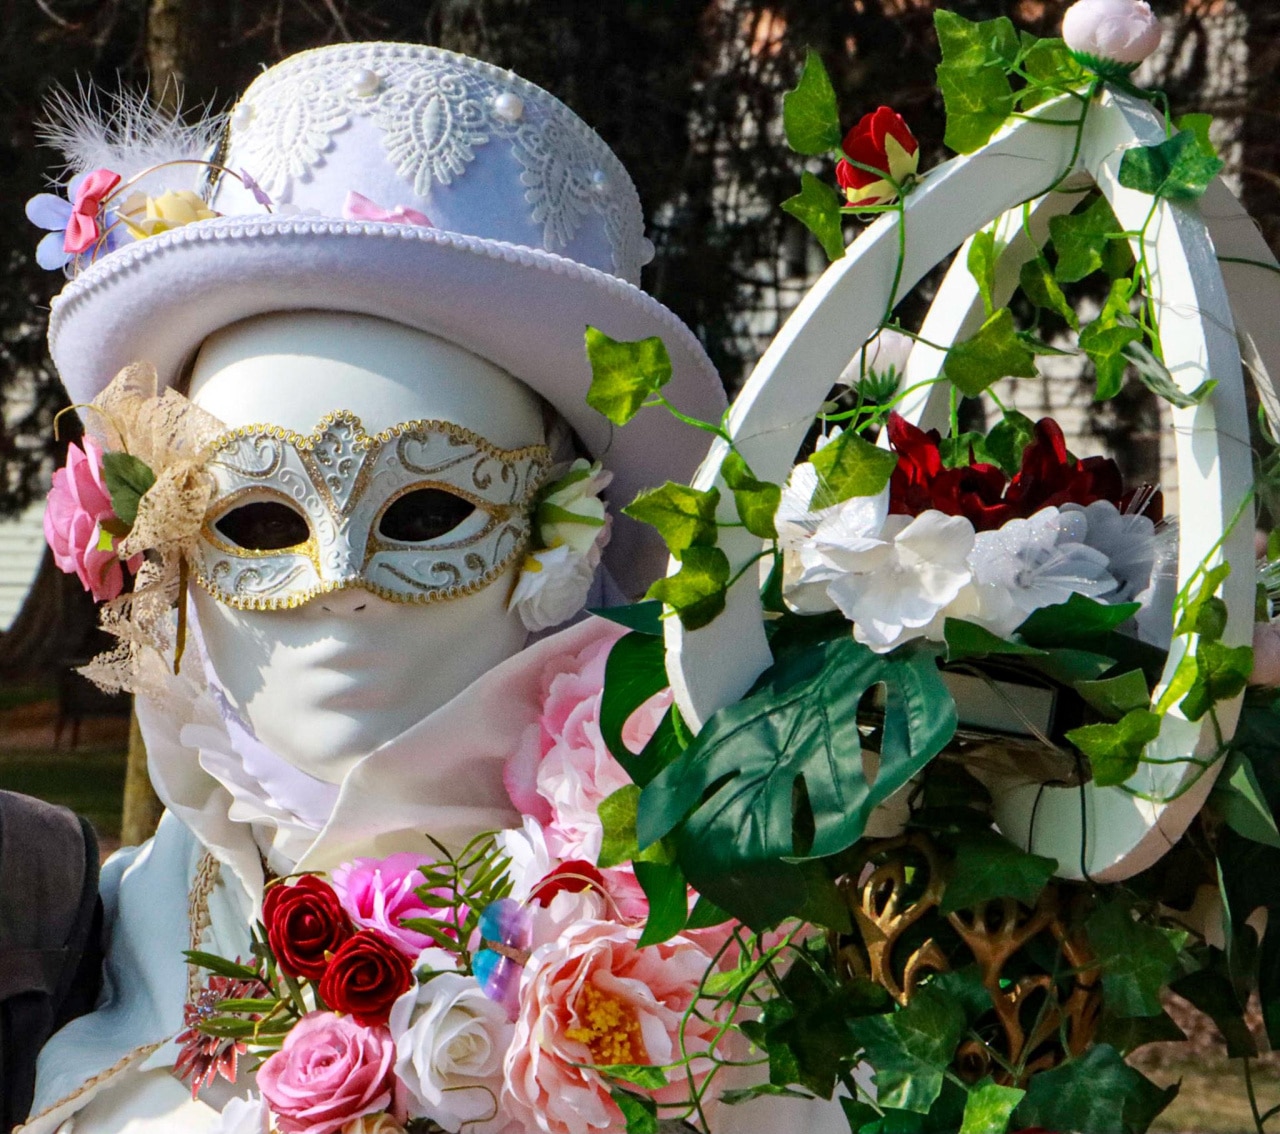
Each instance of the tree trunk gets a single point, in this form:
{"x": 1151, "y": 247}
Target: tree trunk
{"x": 165, "y": 21}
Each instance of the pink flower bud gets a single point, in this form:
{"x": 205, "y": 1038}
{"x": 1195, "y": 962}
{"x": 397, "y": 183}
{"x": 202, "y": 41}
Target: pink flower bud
{"x": 1117, "y": 31}
{"x": 1266, "y": 654}
{"x": 78, "y": 505}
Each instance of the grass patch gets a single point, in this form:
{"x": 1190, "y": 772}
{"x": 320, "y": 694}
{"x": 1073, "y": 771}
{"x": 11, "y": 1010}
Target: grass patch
{"x": 89, "y": 780}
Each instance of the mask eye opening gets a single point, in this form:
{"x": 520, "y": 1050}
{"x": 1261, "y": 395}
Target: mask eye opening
{"x": 423, "y": 515}
{"x": 263, "y": 525}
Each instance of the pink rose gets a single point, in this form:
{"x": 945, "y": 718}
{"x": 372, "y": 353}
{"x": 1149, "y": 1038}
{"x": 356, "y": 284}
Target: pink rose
{"x": 330, "y": 1071}
{"x": 563, "y": 770}
{"x": 78, "y": 504}
{"x": 378, "y": 892}
{"x": 1122, "y": 31}
{"x": 593, "y": 997}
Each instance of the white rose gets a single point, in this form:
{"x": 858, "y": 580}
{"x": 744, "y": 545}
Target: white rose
{"x": 576, "y": 494}
{"x": 552, "y": 588}
{"x": 243, "y": 1116}
{"x": 1121, "y": 31}
{"x": 451, "y": 1041}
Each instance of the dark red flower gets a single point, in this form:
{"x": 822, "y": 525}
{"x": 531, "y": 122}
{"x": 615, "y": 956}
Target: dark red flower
{"x": 304, "y": 922}
{"x": 1050, "y": 476}
{"x": 920, "y": 482}
{"x": 365, "y": 977}
{"x": 869, "y": 144}
{"x": 570, "y": 877}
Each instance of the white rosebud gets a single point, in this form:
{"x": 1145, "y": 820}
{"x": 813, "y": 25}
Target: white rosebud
{"x": 243, "y": 1116}
{"x": 1114, "y": 31}
{"x": 451, "y": 1041}
{"x": 552, "y": 588}
{"x": 380, "y": 1123}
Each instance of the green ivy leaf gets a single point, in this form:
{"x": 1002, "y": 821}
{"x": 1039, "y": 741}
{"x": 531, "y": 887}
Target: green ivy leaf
{"x": 742, "y": 770}
{"x": 1137, "y": 959}
{"x": 696, "y": 592}
{"x": 1050, "y": 68}
{"x": 1177, "y": 169}
{"x": 1078, "y": 621}
{"x": 969, "y": 640}
{"x": 127, "y": 480}
{"x": 989, "y": 1108}
{"x": 640, "y": 1074}
{"x": 809, "y": 113}
{"x": 1115, "y": 750}
{"x": 912, "y": 1048}
{"x": 995, "y": 352}
{"x": 848, "y": 467}
{"x": 1189, "y": 622}
{"x": 978, "y": 101}
{"x": 1117, "y": 696}
{"x": 987, "y": 866}
{"x": 1156, "y": 377}
{"x": 1081, "y": 239}
{"x": 817, "y": 207}
{"x": 756, "y": 500}
{"x": 1239, "y": 799}
{"x": 1096, "y": 1092}
{"x": 1039, "y": 285}
{"x": 965, "y": 43}
{"x": 1008, "y": 439}
{"x": 668, "y": 895}
{"x": 684, "y": 516}
{"x": 624, "y": 374}
{"x": 981, "y": 262}
{"x": 1222, "y": 672}
{"x": 641, "y": 1114}
{"x": 1106, "y": 348}
{"x": 642, "y": 617}
{"x": 1199, "y": 125}
{"x": 618, "y": 818}
{"x": 1127, "y": 1034}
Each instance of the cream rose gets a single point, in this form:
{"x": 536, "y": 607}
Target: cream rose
{"x": 173, "y": 209}
{"x": 451, "y": 1041}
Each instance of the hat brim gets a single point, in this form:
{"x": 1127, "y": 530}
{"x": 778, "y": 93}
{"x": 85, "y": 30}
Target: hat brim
{"x": 523, "y": 309}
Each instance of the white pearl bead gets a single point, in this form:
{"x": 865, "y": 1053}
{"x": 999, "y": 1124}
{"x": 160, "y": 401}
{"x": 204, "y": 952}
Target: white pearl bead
{"x": 242, "y": 115}
{"x": 599, "y": 181}
{"x": 647, "y": 251}
{"x": 365, "y": 82}
{"x": 509, "y": 107}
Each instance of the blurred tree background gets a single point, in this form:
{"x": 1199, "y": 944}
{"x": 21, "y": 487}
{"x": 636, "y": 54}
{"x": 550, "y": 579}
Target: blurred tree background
{"x": 687, "y": 92}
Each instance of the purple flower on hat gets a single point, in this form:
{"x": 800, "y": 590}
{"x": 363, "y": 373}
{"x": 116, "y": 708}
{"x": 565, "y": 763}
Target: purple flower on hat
{"x": 259, "y": 194}
{"x": 68, "y": 220}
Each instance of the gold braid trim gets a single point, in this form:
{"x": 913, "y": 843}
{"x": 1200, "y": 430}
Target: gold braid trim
{"x": 208, "y": 870}
{"x": 138, "y": 1053}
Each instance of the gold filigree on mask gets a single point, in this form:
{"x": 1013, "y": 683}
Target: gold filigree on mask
{"x": 342, "y": 484}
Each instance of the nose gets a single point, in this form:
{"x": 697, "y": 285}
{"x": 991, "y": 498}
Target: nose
{"x": 348, "y": 600}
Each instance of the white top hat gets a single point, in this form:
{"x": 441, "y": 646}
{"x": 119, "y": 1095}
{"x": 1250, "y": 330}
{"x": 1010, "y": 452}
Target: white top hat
{"x": 535, "y": 233}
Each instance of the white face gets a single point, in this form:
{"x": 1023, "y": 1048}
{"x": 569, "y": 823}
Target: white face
{"x": 328, "y": 681}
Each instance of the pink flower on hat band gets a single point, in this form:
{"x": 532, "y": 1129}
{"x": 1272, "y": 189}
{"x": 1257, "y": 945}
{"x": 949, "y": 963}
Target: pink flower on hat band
{"x": 358, "y": 207}
{"x": 83, "y": 228}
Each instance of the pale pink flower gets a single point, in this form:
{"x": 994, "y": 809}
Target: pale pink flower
{"x": 563, "y": 770}
{"x": 330, "y": 1071}
{"x": 379, "y": 892}
{"x": 77, "y": 506}
{"x": 1121, "y": 31}
{"x": 593, "y": 997}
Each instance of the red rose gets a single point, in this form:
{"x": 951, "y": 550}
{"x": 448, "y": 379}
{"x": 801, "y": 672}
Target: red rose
{"x": 1051, "y": 477}
{"x": 570, "y": 877}
{"x": 884, "y": 142}
{"x": 365, "y": 977}
{"x": 304, "y": 922}
{"x": 920, "y": 482}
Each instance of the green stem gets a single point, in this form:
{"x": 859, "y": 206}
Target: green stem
{"x": 1258, "y": 1121}
{"x": 749, "y": 564}
{"x": 697, "y": 423}
{"x": 1251, "y": 263}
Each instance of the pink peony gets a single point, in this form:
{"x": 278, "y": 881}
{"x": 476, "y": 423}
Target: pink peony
{"x": 562, "y": 770}
{"x": 378, "y": 892}
{"x": 593, "y": 997}
{"x": 331, "y": 1070}
{"x": 77, "y": 506}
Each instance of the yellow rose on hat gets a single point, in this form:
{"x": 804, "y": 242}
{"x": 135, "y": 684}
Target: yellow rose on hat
{"x": 146, "y": 216}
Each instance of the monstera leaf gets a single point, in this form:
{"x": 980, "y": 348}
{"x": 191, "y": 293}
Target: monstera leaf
{"x": 781, "y": 775}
